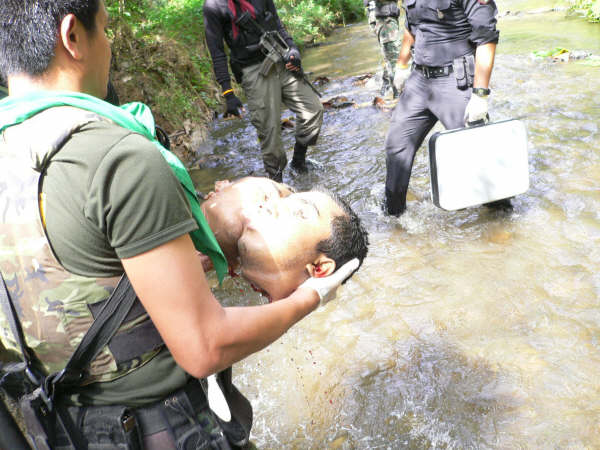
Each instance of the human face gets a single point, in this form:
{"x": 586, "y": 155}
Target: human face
{"x": 279, "y": 240}
{"x": 98, "y": 54}
{"x": 223, "y": 208}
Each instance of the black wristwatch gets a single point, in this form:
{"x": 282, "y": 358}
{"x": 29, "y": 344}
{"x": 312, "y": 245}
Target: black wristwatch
{"x": 482, "y": 92}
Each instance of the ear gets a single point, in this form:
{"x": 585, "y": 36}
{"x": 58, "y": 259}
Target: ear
{"x": 70, "y": 36}
{"x": 321, "y": 267}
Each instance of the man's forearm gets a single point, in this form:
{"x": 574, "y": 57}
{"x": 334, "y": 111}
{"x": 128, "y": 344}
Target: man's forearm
{"x": 404, "y": 56}
{"x": 214, "y": 40}
{"x": 484, "y": 63}
{"x": 255, "y": 327}
{"x": 202, "y": 336}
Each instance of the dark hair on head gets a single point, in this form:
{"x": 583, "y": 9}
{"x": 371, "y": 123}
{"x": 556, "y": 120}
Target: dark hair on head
{"x": 348, "y": 239}
{"x": 29, "y": 30}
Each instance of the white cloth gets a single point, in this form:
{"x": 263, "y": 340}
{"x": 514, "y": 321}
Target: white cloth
{"x": 216, "y": 399}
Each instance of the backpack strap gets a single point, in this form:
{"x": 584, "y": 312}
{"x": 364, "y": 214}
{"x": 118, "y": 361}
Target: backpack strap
{"x": 15, "y": 326}
{"x": 103, "y": 328}
{"x": 105, "y": 325}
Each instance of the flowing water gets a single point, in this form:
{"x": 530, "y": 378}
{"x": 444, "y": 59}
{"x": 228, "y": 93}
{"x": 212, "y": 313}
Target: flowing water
{"x": 466, "y": 329}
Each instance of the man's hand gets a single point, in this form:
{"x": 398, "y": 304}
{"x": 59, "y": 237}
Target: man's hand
{"x": 477, "y": 109}
{"x": 326, "y": 287}
{"x": 400, "y": 76}
{"x": 234, "y": 105}
{"x": 293, "y": 61}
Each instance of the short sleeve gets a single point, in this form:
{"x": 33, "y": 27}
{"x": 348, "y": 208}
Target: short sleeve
{"x": 482, "y": 18}
{"x": 135, "y": 199}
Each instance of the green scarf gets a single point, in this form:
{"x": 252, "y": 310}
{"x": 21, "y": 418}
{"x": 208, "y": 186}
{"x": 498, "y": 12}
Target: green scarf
{"x": 136, "y": 117}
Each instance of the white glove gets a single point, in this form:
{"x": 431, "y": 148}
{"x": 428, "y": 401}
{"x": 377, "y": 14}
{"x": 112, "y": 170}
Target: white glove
{"x": 371, "y": 5}
{"x": 477, "y": 109}
{"x": 400, "y": 77}
{"x": 326, "y": 287}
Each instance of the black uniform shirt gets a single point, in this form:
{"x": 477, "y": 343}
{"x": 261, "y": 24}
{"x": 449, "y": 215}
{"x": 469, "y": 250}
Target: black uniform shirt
{"x": 446, "y": 29}
{"x": 218, "y": 28}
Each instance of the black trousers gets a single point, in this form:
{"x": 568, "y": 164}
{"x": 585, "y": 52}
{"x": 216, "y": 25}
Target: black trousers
{"x": 182, "y": 421}
{"x": 422, "y": 103}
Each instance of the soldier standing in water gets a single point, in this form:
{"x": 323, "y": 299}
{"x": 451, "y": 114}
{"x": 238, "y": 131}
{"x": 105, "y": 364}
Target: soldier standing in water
{"x": 383, "y": 17}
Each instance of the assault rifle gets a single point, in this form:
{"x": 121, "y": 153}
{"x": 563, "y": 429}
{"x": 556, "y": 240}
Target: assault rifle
{"x": 272, "y": 45}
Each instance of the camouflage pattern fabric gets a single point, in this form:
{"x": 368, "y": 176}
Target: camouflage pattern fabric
{"x": 52, "y": 303}
{"x": 387, "y": 31}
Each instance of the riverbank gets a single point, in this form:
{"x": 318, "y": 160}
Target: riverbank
{"x": 160, "y": 57}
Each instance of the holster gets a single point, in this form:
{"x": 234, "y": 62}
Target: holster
{"x": 464, "y": 71}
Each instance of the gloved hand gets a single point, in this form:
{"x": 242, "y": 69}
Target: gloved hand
{"x": 400, "y": 77}
{"x": 326, "y": 287}
{"x": 234, "y": 105}
{"x": 293, "y": 61}
{"x": 477, "y": 109}
{"x": 371, "y": 5}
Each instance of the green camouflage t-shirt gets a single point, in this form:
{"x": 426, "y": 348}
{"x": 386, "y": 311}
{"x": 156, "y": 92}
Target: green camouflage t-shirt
{"x": 109, "y": 194}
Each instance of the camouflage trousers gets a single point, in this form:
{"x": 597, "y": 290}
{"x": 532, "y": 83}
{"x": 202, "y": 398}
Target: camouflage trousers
{"x": 387, "y": 30}
{"x": 266, "y": 94}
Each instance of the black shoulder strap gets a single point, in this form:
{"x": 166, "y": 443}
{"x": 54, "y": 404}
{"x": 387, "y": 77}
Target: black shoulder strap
{"x": 103, "y": 328}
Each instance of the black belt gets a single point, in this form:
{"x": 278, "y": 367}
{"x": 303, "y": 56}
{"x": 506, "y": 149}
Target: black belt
{"x": 433, "y": 71}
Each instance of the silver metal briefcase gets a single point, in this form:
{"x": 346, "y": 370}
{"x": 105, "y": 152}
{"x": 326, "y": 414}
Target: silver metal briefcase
{"x": 480, "y": 164}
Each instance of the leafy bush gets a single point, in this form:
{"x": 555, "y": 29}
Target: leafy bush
{"x": 310, "y": 20}
{"x": 588, "y": 8}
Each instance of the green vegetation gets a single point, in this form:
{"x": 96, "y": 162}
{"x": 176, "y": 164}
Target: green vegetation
{"x": 161, "y": 59}
{"x": 590, "y": 9}
{"x": 307, "y": 21}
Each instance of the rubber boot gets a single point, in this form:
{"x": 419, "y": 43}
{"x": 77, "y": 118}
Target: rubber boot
{"x": 277, "y": 176}
{"x": 299, "y": 159}
{"x": 500, "y": 205}
{"x": 385, "y": 85}
{"x": 394, "y": 205}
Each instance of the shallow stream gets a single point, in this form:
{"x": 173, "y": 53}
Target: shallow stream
{"x": 465, "y": 329}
